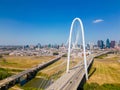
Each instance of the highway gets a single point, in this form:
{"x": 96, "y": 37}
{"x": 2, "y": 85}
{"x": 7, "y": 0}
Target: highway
{"x": 71, "y": 80}
{"x": 68, "y": 78}
{"x": 66, "y": 82}
{"x": 14, "y": 78}
{"x": 77, "y": 77}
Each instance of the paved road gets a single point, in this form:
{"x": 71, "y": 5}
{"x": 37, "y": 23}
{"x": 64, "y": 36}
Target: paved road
{"x": 68, "y": 78}
{"x": 78, "y": 76}
{"x": 71, "y": 80}
{"x": 38, "y": 67}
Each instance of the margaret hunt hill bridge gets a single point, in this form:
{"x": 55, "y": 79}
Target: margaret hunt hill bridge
{"x": 74, "y": 77}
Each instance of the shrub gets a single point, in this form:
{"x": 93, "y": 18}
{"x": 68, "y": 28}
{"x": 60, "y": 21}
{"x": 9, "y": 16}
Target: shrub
{"x": 55, "y": 53}
{"x": 1, "y": 56}
{"x": 65, "y": 55}
{"x": 4, "y": 74}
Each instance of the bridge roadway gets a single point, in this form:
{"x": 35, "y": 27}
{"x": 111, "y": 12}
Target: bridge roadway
{"x": 71, "y": 80}
{"x": 12, "y": 80}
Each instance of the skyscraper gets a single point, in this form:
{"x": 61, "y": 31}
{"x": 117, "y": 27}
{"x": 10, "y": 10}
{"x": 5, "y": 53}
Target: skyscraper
{"x": 38, "y": 45}
{"x": 100, "y": 44}
{"x": 107, "y": 43}
{"x": 88, "y": 47}
{"x": 119, "y": 44}
{"x": 112, "y": 45}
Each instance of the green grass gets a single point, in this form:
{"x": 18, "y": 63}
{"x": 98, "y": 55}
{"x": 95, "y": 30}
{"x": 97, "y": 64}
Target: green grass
{"x": 53, "y": 76}
{"x": 107, "y": 74}
{"x": 57, "y": 75}
{"x": 30, "y": 88}
{"x": 43, "y": 75}
{"x": 95, "y": 86}
{"x": 8, "y": 63}
{"x": 37, "y": 83}
{"x": 11, "y": 70}
{"x": 4, "y": 73}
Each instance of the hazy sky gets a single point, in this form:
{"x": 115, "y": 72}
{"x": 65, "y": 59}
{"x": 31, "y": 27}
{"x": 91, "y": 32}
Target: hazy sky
{"x": 48, "y": 21}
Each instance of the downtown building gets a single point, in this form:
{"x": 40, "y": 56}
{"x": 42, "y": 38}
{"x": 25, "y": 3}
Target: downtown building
{"x": 112, "y": 44}
{"x": 100, "y": 44}
{"x": 108, "y": 43}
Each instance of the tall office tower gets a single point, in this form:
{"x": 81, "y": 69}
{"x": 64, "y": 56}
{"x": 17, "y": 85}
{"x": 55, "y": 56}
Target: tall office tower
{"x": 116, "y": 44}
{"x": 91, "y": 46}
{"x": 100, "y": 44}
{"x": 38, "y": 46}
{"x": 88, "y": 47}
{"x": 107, "y": 43}
{"x": 119, "y": 44}
{"x": 112, "y": 44}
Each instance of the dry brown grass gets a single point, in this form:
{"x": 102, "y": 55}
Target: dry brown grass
{"x": 23, "y": 62}
{"x": 59, "y": 66}
{"x": 15, "y": 88}
{"x": 107, "y": 70}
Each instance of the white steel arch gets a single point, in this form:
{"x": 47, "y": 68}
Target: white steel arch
{"x": 69, "y": 46}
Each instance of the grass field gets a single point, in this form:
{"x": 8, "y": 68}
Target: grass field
{"x": 59, "y": 66}
{"x": 4, "y": 73}
{"x": 10, "y": 65}
{"x": 52, "y": 72}
{"x": 18, "y": 62}
{"x": 106, "y": 73}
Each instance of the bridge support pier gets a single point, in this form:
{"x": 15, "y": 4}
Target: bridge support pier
{"x": 4, "y": 87}
{"x": 31, "y": 75}
{"x": 90, "y": 66}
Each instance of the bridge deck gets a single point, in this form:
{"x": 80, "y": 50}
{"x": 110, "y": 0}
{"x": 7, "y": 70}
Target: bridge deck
{"x": 71, "y": 80}
{"x": 65, "y": 82}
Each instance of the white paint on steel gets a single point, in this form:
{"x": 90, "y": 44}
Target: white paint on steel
{"x": 69, "y": 46}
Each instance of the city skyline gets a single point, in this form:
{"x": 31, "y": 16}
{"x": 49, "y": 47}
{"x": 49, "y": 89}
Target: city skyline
{"x": 31, "y": 22}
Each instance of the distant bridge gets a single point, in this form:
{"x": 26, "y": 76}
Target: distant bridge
{"x": 27, "y": 74}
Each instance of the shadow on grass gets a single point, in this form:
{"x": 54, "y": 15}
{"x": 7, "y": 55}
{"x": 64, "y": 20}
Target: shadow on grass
{"x": 101, "y": 56}
{"x": 37, "y": 84}
{"x": 92, "y": 72}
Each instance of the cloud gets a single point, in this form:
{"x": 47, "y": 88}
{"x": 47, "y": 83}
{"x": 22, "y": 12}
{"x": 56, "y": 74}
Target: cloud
{"x": 98, "y": 20}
